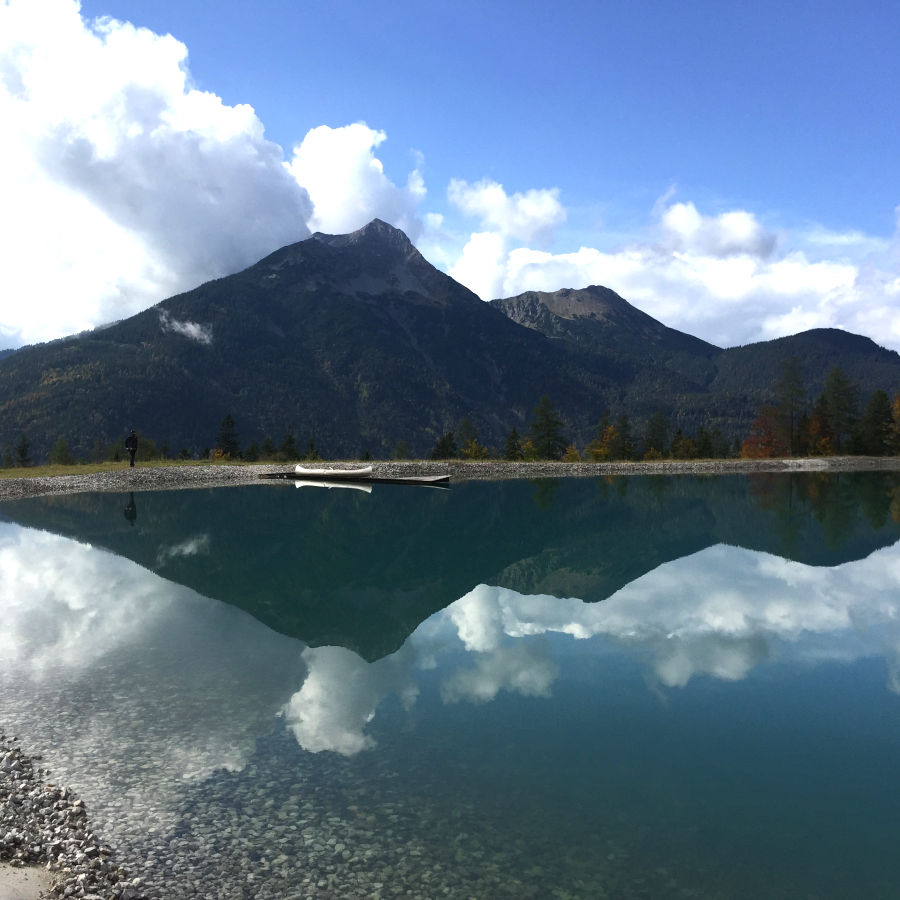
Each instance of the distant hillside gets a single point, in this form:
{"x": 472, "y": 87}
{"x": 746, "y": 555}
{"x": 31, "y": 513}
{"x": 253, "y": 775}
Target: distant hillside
{"x": 357, "y": 342}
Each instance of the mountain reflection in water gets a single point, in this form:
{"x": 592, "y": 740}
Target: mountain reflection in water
{"x": 587, "y": 621}
{"x": 72, "y": 611}
{"x": 362, "y": 571}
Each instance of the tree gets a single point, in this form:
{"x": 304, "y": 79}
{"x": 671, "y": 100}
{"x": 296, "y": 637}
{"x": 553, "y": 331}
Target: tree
{"x": 400, "y": 451}
{"x": 571, "y": 454}
{"x": 683, "y": 447}
{"x": 7, "y": 462}
{"x": 546, "y": 431}
{"x": 612, "y": 441}
{"x": 23, "y": 457}
{"x": 268, "y": 448}
{"x": 818, "y": 437}
{"x": 474, "y": 450}
{"x": 704, "y": 444}
{"x": 289, "y": 447}
{"x": 790, "y": 397}
{"x": 656, "y": 434}
{"x": 601, "y": 448}
{"x": 873, "y": 434}
{"x": 445, "y": 447}
{"x": 894, "y": 437}
{"x": 466, "y": 432}
{"x": 839, "y": 399}
{"x": 625, "y": 447}
{"x": 312, "y": 452}
{"x": 513, "y": 448}
{"x": 763, "y": 442}
{"x": 227, "y": 438}
{"x": 251, "y": 454}
{"x": 60, "y": 455}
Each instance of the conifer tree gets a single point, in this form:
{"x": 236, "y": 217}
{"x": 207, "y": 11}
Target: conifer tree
{"x": 227, "y": 439}
{"x": 513, "y": 448}
{"x": 60, "y": 455}
{"x": 23, "y": 457}
{"x": 790, "y": 396}
{"x": 873, "y": 435}
{"x": 289, "y": 447}
{"x": 656, "y": 434}
{"x": 839, "y": 399}
{"x": 546, "y": 431}
{"x": 268, "y": 449}
{"x": 445, "y": 447}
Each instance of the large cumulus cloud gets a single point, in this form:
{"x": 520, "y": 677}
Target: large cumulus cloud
{"x": 347, "y": 184}
{"x": 122, "y": 183}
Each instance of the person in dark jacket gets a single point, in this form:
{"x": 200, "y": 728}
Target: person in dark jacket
{"x": 131, "y": 443}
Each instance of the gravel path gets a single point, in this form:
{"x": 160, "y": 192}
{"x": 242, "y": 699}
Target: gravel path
{"x": 149, "y": 478}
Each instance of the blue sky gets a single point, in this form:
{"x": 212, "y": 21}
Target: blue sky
{"x": 729, "y": 168}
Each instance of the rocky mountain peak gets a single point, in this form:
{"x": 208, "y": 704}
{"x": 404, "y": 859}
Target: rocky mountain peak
{"x": 377, "y": 235}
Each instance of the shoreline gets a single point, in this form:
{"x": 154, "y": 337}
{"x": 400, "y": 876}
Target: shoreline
{"x": 47, "y": 846}
{"x": 179, "y": 477}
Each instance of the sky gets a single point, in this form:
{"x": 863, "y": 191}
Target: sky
{"x": 731, "y": 169}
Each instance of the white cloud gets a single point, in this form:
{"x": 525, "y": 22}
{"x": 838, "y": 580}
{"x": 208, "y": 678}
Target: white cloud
{"x": 340, "y": 696}
{"x": 530, "y": 217}
{"x": 521, "y": 670}
{"x": 735, "y": 233}
{"x": 722, "y": 278}
{"x": 480, "y": 265}
{"x": 164, "y": 684}
{"x": 199, "y": 545}
{"x": 347, "y": 184}
{"x": 202, "y": 334}
{"x": 122, "y": 183}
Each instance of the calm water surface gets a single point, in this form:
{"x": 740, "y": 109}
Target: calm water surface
{"x": 634, "y": 687}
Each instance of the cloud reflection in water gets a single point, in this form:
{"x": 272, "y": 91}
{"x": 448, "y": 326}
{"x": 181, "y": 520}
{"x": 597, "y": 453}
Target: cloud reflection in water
{"x": 128, "y": 683}
{"x": 186, "y": 684}
{"x": 720, "y": 613}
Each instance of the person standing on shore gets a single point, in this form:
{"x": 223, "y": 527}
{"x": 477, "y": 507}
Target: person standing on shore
{"x": 131, "y": 445}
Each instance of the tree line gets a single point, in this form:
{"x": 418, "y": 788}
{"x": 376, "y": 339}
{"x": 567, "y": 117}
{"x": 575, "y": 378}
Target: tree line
{"x": 614, "y": 439}
{"x": 836, "y": 423}
{"x": 791, "y": 426}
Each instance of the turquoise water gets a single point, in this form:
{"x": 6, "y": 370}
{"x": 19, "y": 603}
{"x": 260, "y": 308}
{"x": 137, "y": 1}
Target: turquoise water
{"x": 641, "y": 687}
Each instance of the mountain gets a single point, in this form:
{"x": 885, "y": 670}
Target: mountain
{"x": 694, "y": 382}
{"x": 356, "y": 342}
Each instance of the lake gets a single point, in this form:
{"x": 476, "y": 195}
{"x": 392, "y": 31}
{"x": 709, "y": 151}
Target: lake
{"x": 635, "y": 687}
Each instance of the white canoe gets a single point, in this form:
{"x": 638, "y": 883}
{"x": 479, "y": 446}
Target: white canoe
{"x": 366, "y": 488}
{"x": 333, "y": 474}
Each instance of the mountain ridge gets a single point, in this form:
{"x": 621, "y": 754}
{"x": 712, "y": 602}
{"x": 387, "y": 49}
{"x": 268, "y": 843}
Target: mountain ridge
{"x": 357, "y": 342}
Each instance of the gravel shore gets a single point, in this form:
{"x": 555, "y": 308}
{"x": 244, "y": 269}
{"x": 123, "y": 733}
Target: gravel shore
{"x": 45, "y": 825}
{"x": 154, "y": 478}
